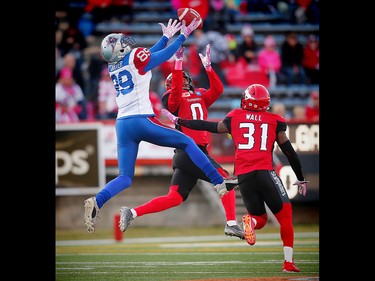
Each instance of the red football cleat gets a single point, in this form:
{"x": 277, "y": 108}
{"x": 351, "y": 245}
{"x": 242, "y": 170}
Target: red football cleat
{"x": 248, "y": 229}
{"x": 290, "y": 267}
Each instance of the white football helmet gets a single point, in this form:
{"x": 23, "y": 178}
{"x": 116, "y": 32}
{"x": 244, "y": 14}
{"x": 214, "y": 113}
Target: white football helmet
{"x": 115, "y": 46}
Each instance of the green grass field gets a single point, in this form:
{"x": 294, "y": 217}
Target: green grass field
{"x": 162, "y": 254}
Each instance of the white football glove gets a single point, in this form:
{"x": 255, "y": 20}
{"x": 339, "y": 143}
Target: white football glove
{"x": 302, "y": 186}
{"x": 221, "y": 189}
{"x": 187, "y": 30}
{"x": 206, "y": 60}
{"x": 170, "y": 116}
{"x": 171, "y": 28}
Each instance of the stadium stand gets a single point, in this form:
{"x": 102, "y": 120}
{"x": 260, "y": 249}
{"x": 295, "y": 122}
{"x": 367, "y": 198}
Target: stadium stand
{"x": 145, "y": 30}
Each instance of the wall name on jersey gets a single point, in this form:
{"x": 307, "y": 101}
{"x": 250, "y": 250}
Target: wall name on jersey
{"x": 113, "y": 67}
{"x": 253, "y": 117}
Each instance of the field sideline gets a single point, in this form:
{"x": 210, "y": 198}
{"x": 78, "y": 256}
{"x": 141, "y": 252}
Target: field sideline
{"x": 182, "y": 255}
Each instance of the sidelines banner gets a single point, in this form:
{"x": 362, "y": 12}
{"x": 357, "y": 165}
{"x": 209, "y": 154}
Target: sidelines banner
{"x": 85, "y": 150}
{"x": 80, "y": 165}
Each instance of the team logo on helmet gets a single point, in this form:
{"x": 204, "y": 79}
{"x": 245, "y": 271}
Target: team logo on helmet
{"x": 112, "y": 42}
{"x": 255, "y": 97}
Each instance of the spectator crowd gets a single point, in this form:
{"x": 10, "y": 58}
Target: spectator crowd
{"x": 84, "y": 91}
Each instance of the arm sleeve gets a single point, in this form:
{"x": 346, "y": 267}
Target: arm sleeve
{"x": 293, "y": 159}
{"x": 160, "y": 44}
{"x": 165, "y": 97}
{"x": 165, "y": 54}
{"x": 175, "y": 96}
{"x": 216, "y": 88}
{"x": 199, "y": 125}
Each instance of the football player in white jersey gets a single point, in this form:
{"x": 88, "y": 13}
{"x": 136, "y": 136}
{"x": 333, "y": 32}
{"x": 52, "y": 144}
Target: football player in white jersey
{"x": 130, "y": 69}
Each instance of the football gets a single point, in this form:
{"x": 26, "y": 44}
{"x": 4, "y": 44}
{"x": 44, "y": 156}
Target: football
{"x": 188, "y": 15}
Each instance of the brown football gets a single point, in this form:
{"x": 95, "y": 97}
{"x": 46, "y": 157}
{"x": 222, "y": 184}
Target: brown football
{"x": 188, "y": 15}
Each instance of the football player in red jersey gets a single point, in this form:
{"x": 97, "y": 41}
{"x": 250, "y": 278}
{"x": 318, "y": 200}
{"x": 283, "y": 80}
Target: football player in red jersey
{"x": 254, "y": 132}
{"x": 187, "y": 101}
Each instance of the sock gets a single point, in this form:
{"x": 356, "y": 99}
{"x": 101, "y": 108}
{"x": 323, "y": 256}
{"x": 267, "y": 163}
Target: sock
{"x": 102, "y": 197}
{"x": 134, "y": 212}
{"x": 112, "y": 188}
{"x": 284, "y": 217}
{"x": 288, "y": 253}
{"x": 229, "y": 204}
{"x": 160, "y": 203}
{"x": 231, "y": 222}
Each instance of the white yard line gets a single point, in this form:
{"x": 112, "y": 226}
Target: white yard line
{"x": 186, "y": 239}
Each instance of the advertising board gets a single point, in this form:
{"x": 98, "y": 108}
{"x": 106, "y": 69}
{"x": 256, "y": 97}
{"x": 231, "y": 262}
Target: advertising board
{"x": 80, "y": 165}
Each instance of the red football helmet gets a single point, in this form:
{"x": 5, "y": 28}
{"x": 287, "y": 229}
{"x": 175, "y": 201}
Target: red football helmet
{"x": 256, "y": 97}
{"x": 189, "y": 85}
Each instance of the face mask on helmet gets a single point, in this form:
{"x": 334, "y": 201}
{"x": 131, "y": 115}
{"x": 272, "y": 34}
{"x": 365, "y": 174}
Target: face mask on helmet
{"x": 115, "y": 46}
{"x": 187, "y": 82}
{"x": 256, "y": 97}
{"x": 168, "y": 82}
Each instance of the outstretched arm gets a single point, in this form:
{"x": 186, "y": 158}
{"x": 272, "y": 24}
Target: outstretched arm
{"x": 216, "y": 86}
{"x": 199, "y": 125}
{"x": 175, "y": 96}
{"x": 165, "y": 54}
{"x": 168, "y": 32}
{"x": 179, "y": 58}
